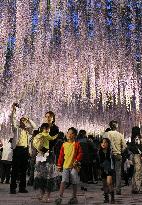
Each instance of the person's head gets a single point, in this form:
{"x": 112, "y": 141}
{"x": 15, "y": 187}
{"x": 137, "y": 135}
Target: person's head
{"x": 90, "y": 138}
{"x": 50, "y": 117}
{"x": 135, "y": 134}
{"x": 71, "y": 134}
{"x": 105, "y": 143}
{"x": 24, "y": 122}
{"x": 81, "y": 134}
{"x": 45, "y": 127}
{"x": 113, "y": 125}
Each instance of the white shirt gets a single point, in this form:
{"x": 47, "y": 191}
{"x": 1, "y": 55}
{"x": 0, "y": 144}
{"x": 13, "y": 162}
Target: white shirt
{"x": 7, "y": 152}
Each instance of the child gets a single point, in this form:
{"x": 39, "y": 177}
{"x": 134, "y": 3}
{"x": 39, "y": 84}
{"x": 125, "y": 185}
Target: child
{"x": 69, "y": 158}
{"x": 106, "y": 165}
{"x": 41, "y": 140}
{"x": 46, "y": 175}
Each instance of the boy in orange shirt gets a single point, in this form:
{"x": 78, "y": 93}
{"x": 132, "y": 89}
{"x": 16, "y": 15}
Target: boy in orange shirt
{"x": 69, "y": 158}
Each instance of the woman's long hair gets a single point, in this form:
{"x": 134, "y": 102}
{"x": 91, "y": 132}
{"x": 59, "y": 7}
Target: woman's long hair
{"x": 135, "y": 133}
{"x": 108, "y": 141}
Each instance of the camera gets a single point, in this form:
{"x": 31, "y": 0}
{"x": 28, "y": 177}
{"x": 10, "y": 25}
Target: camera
{"x": 16, "y": 105}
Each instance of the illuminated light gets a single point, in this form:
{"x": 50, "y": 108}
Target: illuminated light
{"x": 86, "y": 79}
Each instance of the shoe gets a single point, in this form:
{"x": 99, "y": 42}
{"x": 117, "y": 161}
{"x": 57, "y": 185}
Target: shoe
{"x": 118, "y": 192}
{"x": 106, "y": 198}
{"x": 126, "y": 184}
{"x": 29, "y": 183}
{"x": 73, "y": 201}
{"x": 67, "y": 185}
{"x": 135, "y": 192}
{"x": 83, "y": 188}
{"x": 45, "y": 200}
{"x": 112, "y": 198}
{"x": 58, "y": 201}
{"x": 13, "y": 191}
{"x": 23, "y": 191}
{"x": 90, "y": 182}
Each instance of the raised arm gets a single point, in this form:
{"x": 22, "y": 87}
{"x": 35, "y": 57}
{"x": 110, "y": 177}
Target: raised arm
{"x": 32, "y": 126}
{"x": 13, "y": 117}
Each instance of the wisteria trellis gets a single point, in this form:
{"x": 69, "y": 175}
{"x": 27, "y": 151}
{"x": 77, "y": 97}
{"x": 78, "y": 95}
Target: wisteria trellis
{"x": 79, "y": 58}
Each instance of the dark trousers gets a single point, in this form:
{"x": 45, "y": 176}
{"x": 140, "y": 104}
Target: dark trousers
{"x": 92, "y": 171}
{"x": 84, "y": 173}
{"x": 117, "y": 177}
{"x": 5, "y": 174}
{"x": 32, "y": 168}
{"x": 19, "y": 168}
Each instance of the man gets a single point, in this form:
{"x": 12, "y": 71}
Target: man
{"x": 20, "y": 151}
{"x": 118, "y": 145}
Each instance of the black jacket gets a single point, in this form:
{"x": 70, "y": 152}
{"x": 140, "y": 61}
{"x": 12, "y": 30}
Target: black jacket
{"x": 135, "y": 148}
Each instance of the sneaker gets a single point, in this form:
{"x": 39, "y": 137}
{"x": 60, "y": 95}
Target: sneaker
{"x": 73, "y": 201}
{"x": 58, "y": 201}
{"x": 12, "y": 191}
{"x": 23, "y": 191}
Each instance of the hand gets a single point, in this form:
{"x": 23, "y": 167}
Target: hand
{"x": 14, "y": 106}
{"x": 28, "y": 119}
{"x": 75, "y": 163}
{"x": 77, "y": 166}
{"x": 59, "y": 169}
{"x": 55, "y": 137}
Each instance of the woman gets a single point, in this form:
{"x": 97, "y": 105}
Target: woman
{"x": 46, "y": 175}
{"x": 54, "y": 130}
{"x": 49, "y": 119}
{"x": 107, "y": 169}
{"x": 135, "y": 148}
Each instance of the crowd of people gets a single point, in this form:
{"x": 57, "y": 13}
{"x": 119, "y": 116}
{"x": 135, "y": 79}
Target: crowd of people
{"x": 54, "y": 160}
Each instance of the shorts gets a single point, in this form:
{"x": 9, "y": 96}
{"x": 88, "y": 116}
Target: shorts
{"x": 104, "y": 174}
{"x": 70, "y": 175}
